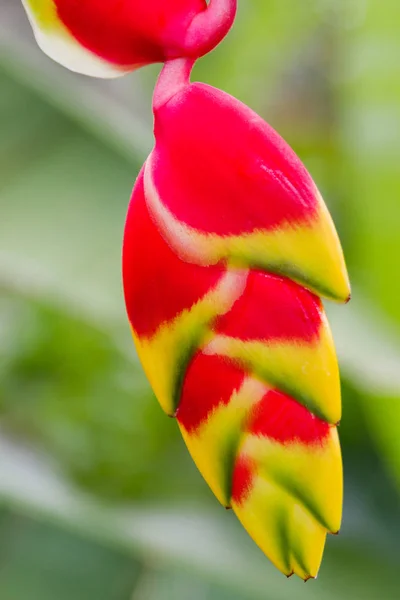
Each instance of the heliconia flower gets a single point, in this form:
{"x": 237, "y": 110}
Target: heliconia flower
{"x": 107, "y": 38}
{"x": 228, "y": 246}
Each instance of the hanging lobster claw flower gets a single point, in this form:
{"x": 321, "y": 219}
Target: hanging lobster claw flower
{"x": 227, "y": 247}
{"x": 107, "y": 38}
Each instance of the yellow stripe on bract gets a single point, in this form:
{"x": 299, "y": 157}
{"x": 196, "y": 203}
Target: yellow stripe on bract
{"x": 312, "y": 474}
{"x": 291, "y": 538}
{"x": 307, "y": 539}
{"x": 214, "y": 445}
{"x": 165, "y": 355}
{"x": 306, "y": 371}
{"x": 44, "y": 11}
{"x": 309, "y": 254}
{"x": 56, "y": 41}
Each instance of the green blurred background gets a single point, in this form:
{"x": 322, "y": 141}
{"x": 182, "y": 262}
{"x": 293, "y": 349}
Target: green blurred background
{"x": 98, "y": 497}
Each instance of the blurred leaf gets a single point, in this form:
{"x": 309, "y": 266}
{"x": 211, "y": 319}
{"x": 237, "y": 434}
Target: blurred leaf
{"x": 383, "y": 413}
{"x": 173, "y": 583}
{"x": 370, "y": 97}
{"x": 59, "y": 222}
{"x": 58, "y": 388}
{"x": 367, "y": 346}
{"x": 117, "y": 113}
{"x": 370, "y": 106}
{"x": 43, "y": 562}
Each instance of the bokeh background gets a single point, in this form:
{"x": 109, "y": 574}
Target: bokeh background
{"x": 98, "y": 497}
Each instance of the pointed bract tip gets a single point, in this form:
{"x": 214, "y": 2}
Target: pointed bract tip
{"x": 290, "y": 575}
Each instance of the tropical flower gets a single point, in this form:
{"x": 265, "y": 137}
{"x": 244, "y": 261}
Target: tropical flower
{"x": 228, "y": 246}
{"x": 228, "y": 249}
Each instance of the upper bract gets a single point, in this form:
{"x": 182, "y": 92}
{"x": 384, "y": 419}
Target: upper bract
{"x": 109, "y": 38}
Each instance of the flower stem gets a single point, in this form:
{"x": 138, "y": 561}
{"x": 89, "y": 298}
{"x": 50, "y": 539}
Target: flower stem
{"x": 210, "y": 26}
{"x": 174, "y": 76}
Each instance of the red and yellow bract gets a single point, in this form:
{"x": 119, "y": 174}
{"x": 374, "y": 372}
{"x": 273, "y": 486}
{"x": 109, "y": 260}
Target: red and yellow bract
{"x": 107, "y": 38}
{"x": 228, "y": 248}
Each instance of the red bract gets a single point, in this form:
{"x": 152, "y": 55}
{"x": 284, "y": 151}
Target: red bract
{"x": 131, "y": 32}
{"x": 126, "y": 34}
{"x": 236, "y": 190}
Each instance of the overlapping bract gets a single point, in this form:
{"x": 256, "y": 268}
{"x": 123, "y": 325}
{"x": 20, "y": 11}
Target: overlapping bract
{"x": 107, "y": 38}
{"x": 227, "y": 243}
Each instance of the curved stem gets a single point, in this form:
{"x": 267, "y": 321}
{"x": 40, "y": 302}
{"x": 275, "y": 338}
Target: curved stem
{"x": 210, "y": 26}
{"x": 205, "y": 31}
{"x": 174, "y": 76}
